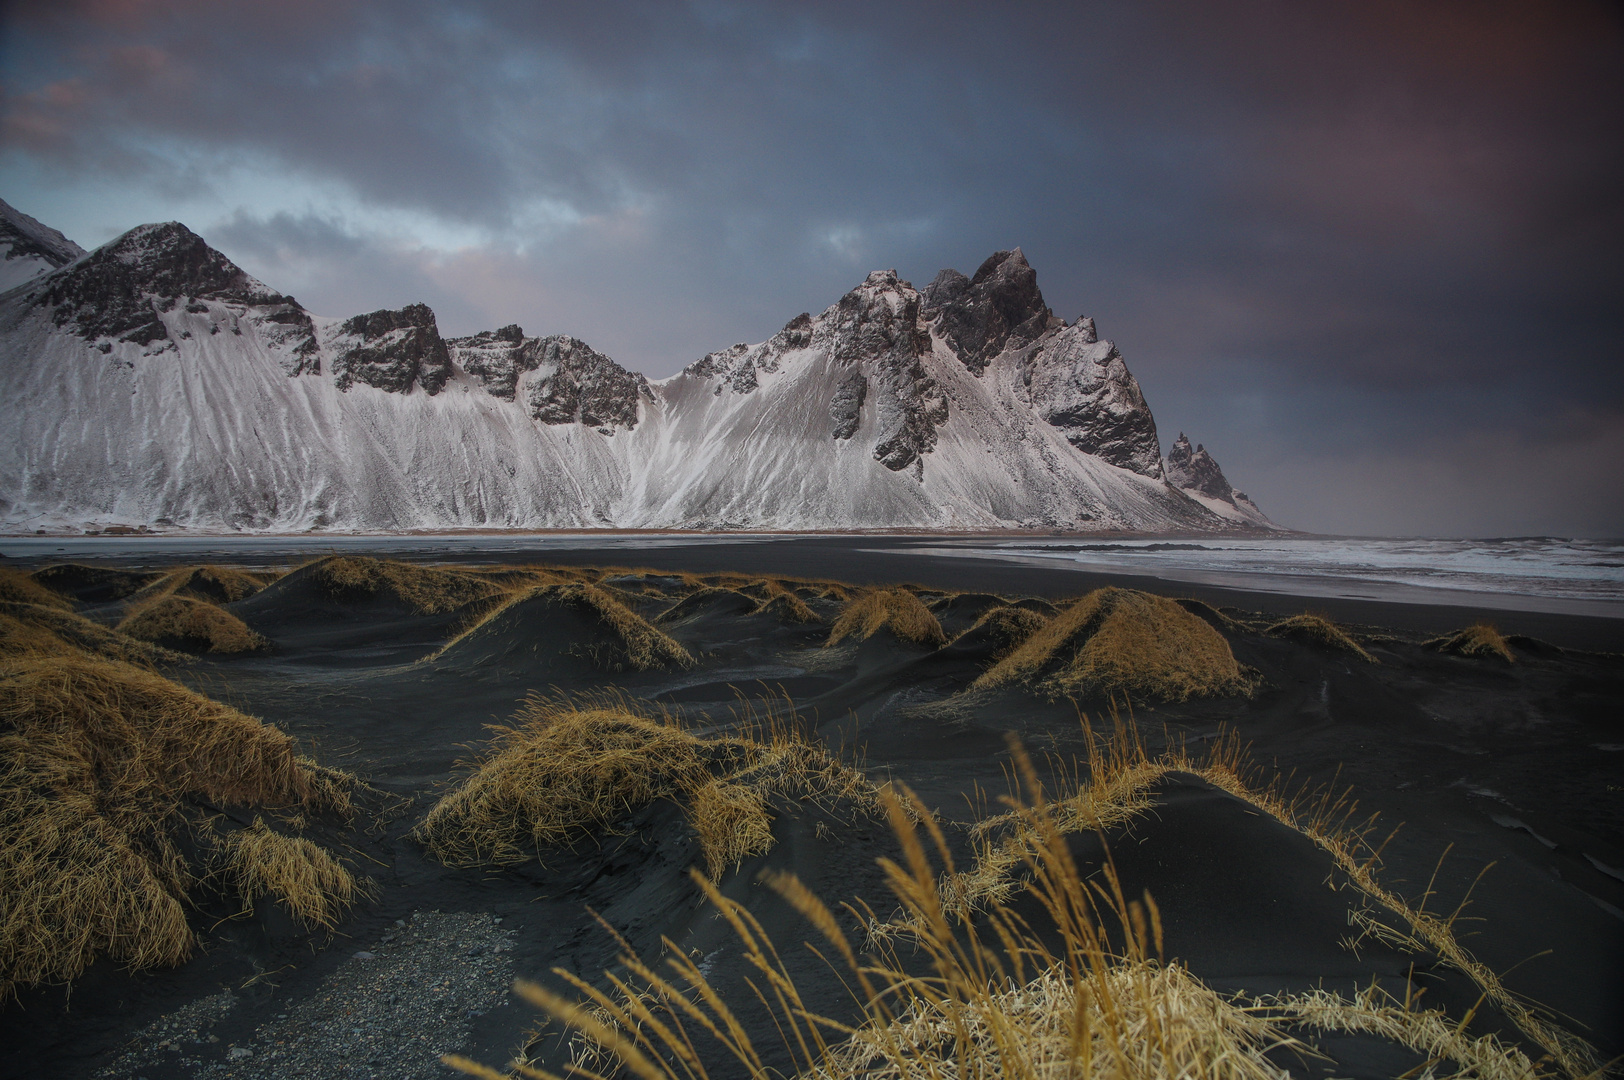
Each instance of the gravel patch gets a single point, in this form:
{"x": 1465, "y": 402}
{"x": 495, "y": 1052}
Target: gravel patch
{"x": 390, "y": 1010}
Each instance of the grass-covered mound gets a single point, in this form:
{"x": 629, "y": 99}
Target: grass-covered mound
{"x": 566, "y": 771}
{"x": 427, "y": 590}
{"x": 17, "y": 587}
{"x": 997, "y": 997}
{"x": 787, "y": 606}
{"x": 32, "y": 630}
{"x": 1479, "y": 641}
{"x": 579, "y": 620}
{"x": 94, "y": 584}
{"x": 896, "y": 610}
{"x": 1320, "y": 632}
{"x": 103, "y": 767}
{"x": 215, "y": 584}
{"x": 181, "y": 622}
{"x": 1002, "y": 630}
{"x": 710, "y": 600}
{"x": 1122, "y": 641}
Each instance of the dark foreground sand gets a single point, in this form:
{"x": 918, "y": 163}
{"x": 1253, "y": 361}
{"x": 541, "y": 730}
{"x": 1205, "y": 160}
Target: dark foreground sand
{"x": 1521, "y": 766}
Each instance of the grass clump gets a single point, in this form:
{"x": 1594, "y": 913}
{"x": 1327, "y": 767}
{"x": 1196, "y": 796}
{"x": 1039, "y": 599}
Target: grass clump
{"x": 1479, "y": 641}
{"x": 307, "y": 881}
{"x": 1006, "y": 628}
{"x": 17, "y": 587}
{"x": 986, "y": 999}
{"x": 94, "y": 584}
{"x": 215, "y": 584}
{"x": 194, "y": 625}
{"x": 785, "y": 603}
{"x": 628, "y": 639}
{"x": 565, "y": 771}
{"x": 1113, "y": 786}
{"x": 1321, "y": 632}
{"x": 101, "y": 763}
{"x": 897, "y": 610}
{"x": 428, "y": 590}
{"x": 1122, "y": 640}
{"x": 31, "y": 630}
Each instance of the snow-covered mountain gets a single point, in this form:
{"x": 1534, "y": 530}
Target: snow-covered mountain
{"x": 29, "y": 249}
{"x": 153, "y": 382}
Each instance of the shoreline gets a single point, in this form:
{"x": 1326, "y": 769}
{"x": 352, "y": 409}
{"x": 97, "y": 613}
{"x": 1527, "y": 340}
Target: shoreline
{"x": 879, "y": 558}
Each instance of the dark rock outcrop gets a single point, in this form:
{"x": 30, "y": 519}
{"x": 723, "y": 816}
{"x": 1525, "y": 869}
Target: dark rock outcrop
{"x": 1000, "y": 308}
{"x": 574, "y": 384}
{"x": 1081, "y": 385}
{"x": 119, "y": 291}
{"x": 876, "y": 330}
{"x": 582, "y": 386}
{"x": 497, "y": 358}
{"x": 1195, "y": 470}
{"x": 735, "y": 368}
{"x": 846, "y": 407}
{"x": 21, "y": 237}
{"x": 392, "y": 350}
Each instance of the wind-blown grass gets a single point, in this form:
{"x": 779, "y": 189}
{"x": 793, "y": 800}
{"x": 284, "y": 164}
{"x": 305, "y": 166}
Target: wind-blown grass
{"x": 983, "y": 999}
{"x": 195, "y": 625}
{"x": 1121, "y": 640}
{"x": 17, "y": 587}
{"x": 632, "y": 640}
{"x": 428, "y": 590}
{"x": 99, "y": 764}
{"x": 567, "y": 770}
{"x": 897, "y": 610}
{"x": 1479, "y": 641}
{"x": 1321, "y": 632}
{"x": 306, "y": 880}
{"x": 31, "y": 630}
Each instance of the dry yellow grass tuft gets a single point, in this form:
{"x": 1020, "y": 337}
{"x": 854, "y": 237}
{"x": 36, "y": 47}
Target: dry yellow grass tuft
{"x": 1007, "y": 627}
{"x": 194, "y": 625}
{"x": 704, "y": 597}
{"x": 1114, "y": 786}
{"x": 429, "y": 590}
{"x": 314, "y": 887}
{"x": 898, "y": 610}
{"x": 630, "y": 639}
{"x": 96, "y": 584}
{"x": 1480, "y": 640}
{"x": 568, "y": 770}
{"x": 1120, "y": 640}
{"x": 17, "y": 587}
{"x": 1319, "y": 631}
{"x": 31, "y": 630}
{"x": 983, "y": 1000}
{"x": 96, "y": 758}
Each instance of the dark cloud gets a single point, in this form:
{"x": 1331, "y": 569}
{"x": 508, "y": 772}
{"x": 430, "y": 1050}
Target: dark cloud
{"x": 1352, "y": 242}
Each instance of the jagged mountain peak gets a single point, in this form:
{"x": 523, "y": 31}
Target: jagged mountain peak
{"x": 119, "y": 292}
{"x": 30, "y": 248}
{"x": 1196, "y": 470}
{"x": 1000, "y": 308}
{"x": 221, "y": 402}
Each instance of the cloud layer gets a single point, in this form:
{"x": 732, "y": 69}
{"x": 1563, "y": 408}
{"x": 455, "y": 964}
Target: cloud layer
{"x": 1372, "y": 255}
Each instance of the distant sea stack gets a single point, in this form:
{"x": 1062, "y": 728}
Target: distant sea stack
{"x": 153, "y": 382}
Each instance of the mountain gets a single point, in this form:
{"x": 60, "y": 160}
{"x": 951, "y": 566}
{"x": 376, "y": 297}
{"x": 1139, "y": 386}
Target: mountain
{"x": 154, "y": 382}
{"x": 29, "y": 249}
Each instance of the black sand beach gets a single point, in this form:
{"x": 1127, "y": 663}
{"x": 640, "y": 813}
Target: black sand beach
{"x": 1515, "y": 767}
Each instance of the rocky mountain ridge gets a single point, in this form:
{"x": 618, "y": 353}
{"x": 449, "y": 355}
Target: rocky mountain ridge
{"x": 966, "y": 405}
{"x": 29, "y": 249}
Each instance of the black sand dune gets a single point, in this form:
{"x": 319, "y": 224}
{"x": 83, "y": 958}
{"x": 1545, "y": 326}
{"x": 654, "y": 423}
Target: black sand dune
{"x": 1516, "y": 764}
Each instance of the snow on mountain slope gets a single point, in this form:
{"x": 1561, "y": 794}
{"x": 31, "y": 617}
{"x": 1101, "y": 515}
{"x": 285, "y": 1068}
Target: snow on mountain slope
{"x": 153, "y": 382}
{"x": 29, "y": 249}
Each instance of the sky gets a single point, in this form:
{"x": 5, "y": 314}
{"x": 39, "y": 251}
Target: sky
{"x": 1370, "y": 254}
